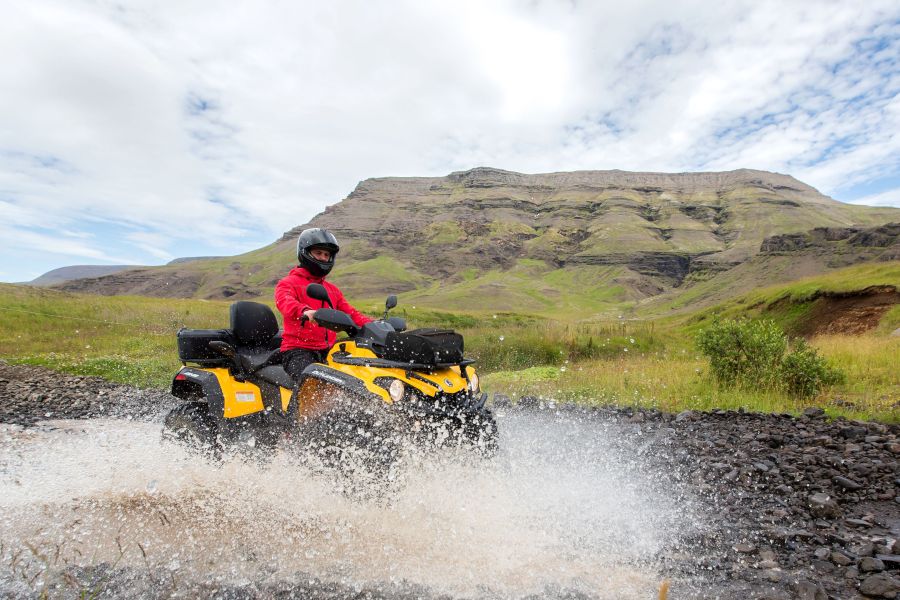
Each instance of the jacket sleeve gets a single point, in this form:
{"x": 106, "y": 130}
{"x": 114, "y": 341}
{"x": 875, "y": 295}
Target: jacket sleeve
{"x": 288, "y": 301}
{"x": 358, "y": 317}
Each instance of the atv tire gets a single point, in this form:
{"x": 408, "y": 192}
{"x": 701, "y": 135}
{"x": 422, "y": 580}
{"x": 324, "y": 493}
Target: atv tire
{"x": 191, "y": 425}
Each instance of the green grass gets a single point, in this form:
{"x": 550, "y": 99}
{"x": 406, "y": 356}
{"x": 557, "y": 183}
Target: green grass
{"x": 650, "y": 363}
{"x": 124, "y": 339}
{"x": 675, "y": 381}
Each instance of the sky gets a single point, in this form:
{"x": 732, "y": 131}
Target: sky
{"x": 143, "y": 131}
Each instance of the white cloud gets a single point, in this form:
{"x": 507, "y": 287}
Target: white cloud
{"x": 189, "y": 122}
{"x": 886, "y": 198}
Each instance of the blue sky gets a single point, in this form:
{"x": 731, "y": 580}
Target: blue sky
{"x": 140, "y": 132}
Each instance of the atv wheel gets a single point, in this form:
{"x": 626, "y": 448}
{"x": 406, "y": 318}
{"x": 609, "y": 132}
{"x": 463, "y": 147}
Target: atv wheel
{"x": 191, "y": 424}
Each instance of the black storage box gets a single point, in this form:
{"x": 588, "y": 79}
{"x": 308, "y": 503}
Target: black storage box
{"x": 193, "y": 345}
{"x": 424, "y": 346}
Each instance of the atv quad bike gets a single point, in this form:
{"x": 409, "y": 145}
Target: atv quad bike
{"x": 377, "y": 387}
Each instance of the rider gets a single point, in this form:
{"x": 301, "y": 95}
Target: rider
{"x": 304, "y": 341}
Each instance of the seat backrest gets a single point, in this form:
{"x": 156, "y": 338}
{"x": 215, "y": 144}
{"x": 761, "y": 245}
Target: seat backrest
{"x": 253, "y": 324}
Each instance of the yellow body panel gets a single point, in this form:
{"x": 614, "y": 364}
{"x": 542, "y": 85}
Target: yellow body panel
{"x": 285, "y": 397}
{"x": 241, "y": 398}
{"x": 244, "y": 398}
{"x": 449, "y": 380}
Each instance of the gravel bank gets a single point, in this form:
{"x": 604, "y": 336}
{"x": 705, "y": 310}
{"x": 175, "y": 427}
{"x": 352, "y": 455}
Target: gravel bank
{"x": 32, "y": 394}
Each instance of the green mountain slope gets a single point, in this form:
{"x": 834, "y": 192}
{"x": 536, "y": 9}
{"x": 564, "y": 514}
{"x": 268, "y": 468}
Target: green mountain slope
{"x": 587, "y": 243}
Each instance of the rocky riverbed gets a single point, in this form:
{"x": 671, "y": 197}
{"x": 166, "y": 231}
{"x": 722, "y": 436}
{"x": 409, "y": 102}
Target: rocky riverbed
{"x": 761, "y": 506}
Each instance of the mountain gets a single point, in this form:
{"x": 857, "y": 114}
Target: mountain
{"x": 583, "y": 241}
{"x": 187, "y": 259}
{"x": 57, "y": 276}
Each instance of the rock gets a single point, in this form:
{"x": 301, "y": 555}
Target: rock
{"x": 807, "y": 590}
{"x": 502, "y": 401}
{"x": 685, "y": 415}
{"x": 821, "y": 505}
{"x": 822, "y": 553}
{"x": 744, "y": 547}
{"x": 853, "y": 432}
{"x": 891, "y": 561}
{"x": 822, "y": 566}
{"x": 879, "y": 586}
{"x": 869, "y": 564}
{"x": 857, "y": 523}
{"x": 841, "y": 559}
{"x": 847, "y": 484}
{"x": 529, "y": 403}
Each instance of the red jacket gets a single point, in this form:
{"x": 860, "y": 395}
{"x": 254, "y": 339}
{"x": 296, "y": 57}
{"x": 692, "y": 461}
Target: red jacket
{"x": 292, "y": 301}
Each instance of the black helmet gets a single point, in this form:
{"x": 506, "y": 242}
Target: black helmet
{"x": 316, "y": 238}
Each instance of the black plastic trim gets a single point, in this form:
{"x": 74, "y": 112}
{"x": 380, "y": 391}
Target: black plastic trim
{"x": 212, "y": 391}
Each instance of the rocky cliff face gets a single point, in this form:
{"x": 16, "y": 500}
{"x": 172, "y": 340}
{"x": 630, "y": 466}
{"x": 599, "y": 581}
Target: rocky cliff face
{"x": 642, "y": 232}
{"x": 842, "y": 245}
{"x": 661, "y": 225}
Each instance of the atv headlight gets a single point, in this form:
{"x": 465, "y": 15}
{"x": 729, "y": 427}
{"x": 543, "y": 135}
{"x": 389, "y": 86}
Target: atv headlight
{"x": 396, "y": 390}
{"x": 473, "y": 383}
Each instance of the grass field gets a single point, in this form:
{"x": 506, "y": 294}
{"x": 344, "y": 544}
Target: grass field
{"x": 651, "y": 363}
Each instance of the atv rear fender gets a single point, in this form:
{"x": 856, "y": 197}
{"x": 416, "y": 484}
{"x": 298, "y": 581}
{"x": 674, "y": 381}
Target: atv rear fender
{"x": 199, "y": 384}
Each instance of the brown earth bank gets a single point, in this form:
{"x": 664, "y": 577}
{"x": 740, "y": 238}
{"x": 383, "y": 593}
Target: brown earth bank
{"x": 795, "y": 507}
{"x": 848, "y": 313}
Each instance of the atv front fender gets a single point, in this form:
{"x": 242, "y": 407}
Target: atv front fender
{"x": 347, "y": 382}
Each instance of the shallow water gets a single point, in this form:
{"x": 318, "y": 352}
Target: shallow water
{"x": 568, "y": 507}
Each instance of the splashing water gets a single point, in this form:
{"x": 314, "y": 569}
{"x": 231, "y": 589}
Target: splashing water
{"x": 566, "y": 505}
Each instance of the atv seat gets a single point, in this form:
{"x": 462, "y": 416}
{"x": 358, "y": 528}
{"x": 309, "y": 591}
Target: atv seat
{"x": 254, "y": 328}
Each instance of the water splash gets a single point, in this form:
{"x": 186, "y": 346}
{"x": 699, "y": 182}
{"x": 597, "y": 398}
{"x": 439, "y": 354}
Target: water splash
{"x": 568, "y": 504}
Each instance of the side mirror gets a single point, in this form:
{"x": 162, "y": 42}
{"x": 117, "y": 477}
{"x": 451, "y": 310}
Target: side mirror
{"x": 318, "y": 292}
{"x": 390, "y": 303}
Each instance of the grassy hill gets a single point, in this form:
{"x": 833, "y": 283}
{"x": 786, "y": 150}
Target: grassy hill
{"x": 646, "y": 362}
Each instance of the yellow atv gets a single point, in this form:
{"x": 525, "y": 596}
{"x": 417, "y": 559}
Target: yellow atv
{"x": 379, "y": 387}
